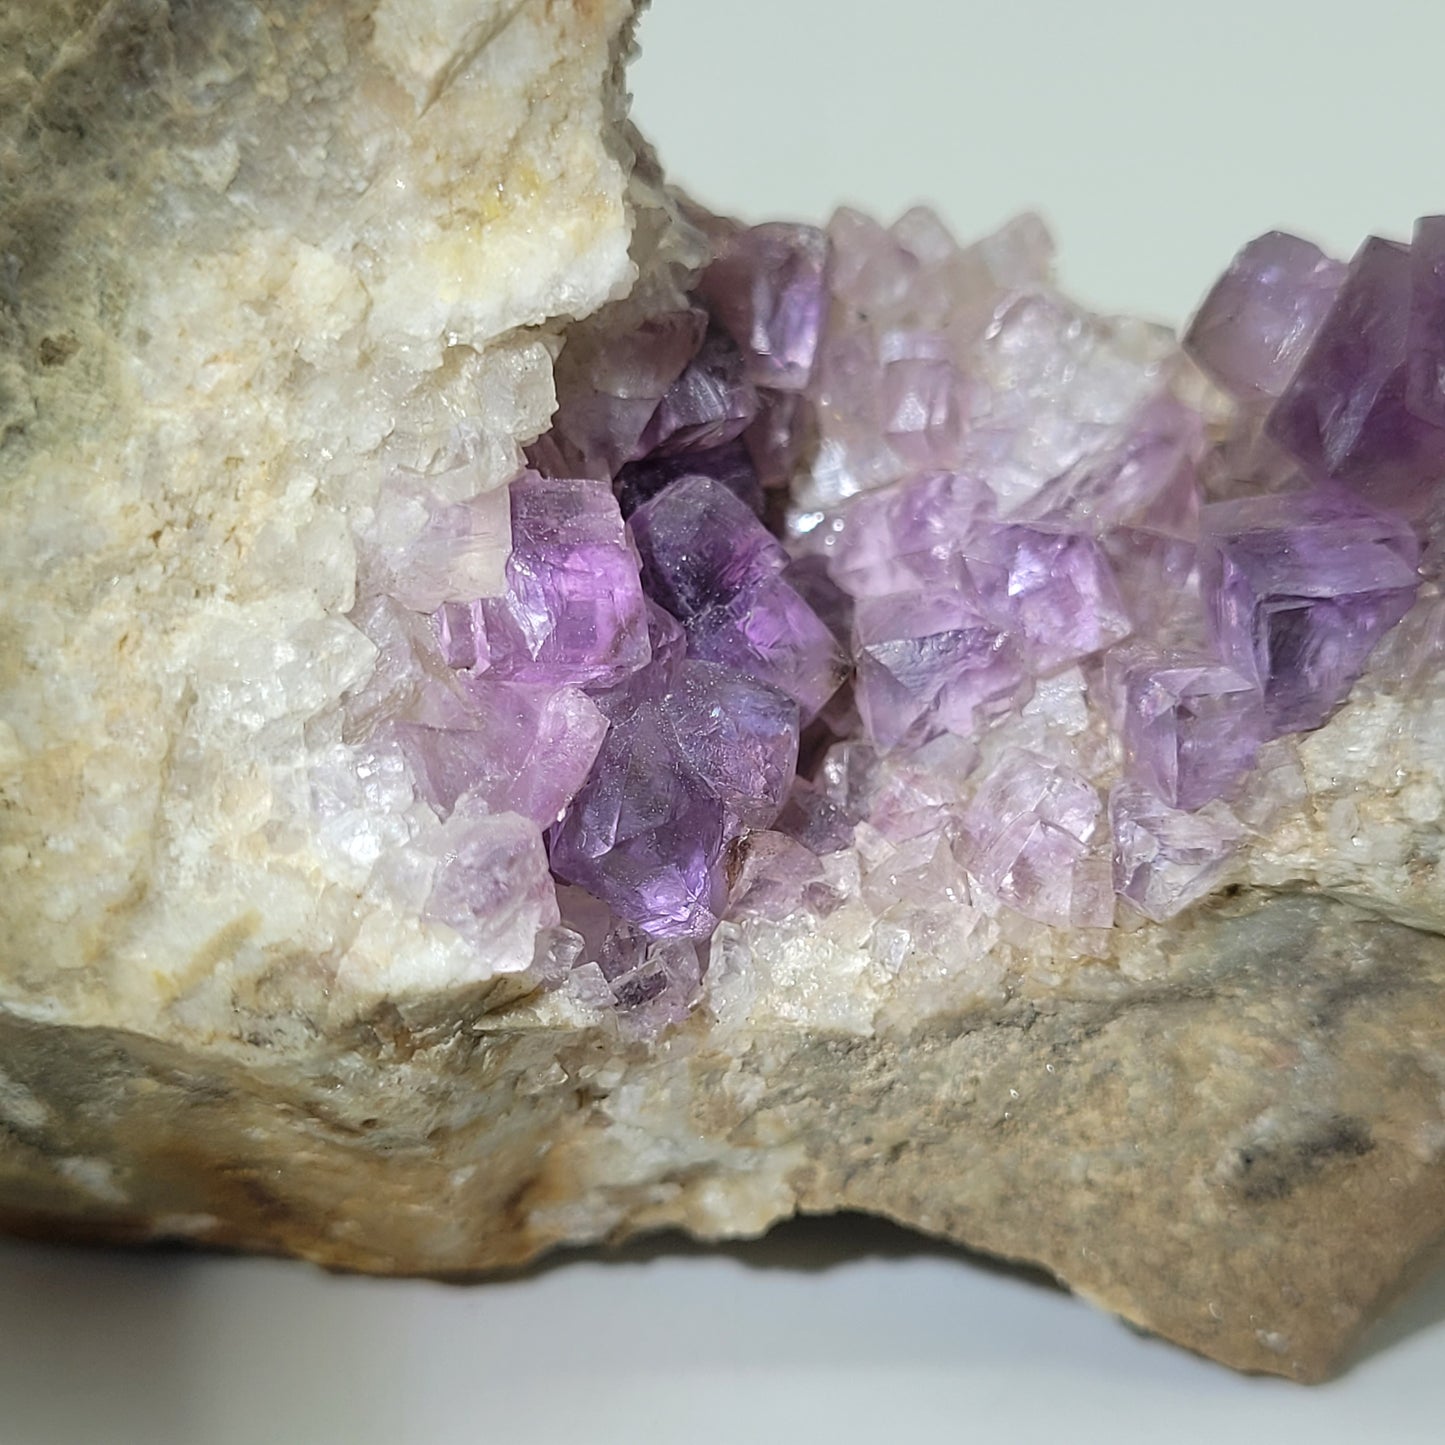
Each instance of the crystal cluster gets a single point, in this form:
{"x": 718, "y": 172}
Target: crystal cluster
{"x": 876, "y": 548}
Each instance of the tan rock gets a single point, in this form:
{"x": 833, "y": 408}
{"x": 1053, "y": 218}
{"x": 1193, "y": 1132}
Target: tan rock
{"x": 259, "y": 260}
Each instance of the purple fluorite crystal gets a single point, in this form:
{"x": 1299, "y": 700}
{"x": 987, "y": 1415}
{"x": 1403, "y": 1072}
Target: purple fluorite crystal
{"x": 1190, "y": 727}
{"x": 573, "y": 612}
{"x": 1052, "y": 572}
{"x": 608, "y": 390}
{"x": 1263, "y": 313}
{"x": 515, "y": 747}
{"x": 1344, "y": 412}
{"x": 766, "y": 288}
{"x": 1032, "y": 838}
{"x": 1166, "y": 858}
{"x": 703, "y": 753}
{"x": 928, "y": 663}
{"x": 1300, "y": 587}
{"x": 710, "y": 403}
{"x": 710, "y": 562}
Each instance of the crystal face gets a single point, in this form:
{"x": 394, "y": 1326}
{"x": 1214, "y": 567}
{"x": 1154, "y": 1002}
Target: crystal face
{"x": 871, "y": 577}
{"x": 1299, "y": 589}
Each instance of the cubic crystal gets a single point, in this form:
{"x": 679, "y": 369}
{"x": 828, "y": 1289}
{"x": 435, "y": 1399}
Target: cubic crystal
{"x": 1299, "y": 588}
{"x": 766, "y": 289}
{"x": 1255, "y": 326}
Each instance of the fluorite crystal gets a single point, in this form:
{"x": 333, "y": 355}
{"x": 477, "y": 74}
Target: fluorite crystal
{"x": 1299, "y": 588}
{"x": 899, "y": 516}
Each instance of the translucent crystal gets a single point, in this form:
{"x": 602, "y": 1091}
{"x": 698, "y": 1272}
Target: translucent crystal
{"x": 927, "y": 663}
{"x": 766, "y": 289}
{"x": 1166, "y": 858}
{"x": 1344, "y": 413}
{"x": 676, "y": 778}
{"x": 1299, "y": 589}
{"x": 573, "y": 611}
{"x": 709, "y": 404}
{"x": 1254, "y": 327}
{"x": 699, "y": 545}
{"x": 514, "y": 747}
{"x": 1034, "y": 837}
{"x": 493, "y": 888}
{"x": 1190, "y": 727}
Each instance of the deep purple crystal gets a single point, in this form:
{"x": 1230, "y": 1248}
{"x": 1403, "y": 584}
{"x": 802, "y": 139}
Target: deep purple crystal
{"x": 699, "y": 545}
{"x": 706, "y": 752}
{"x": 766, "y": 289}
{"x": 730, "y": 464}
{"x": 1344, "y": 413}
{"x": 1299, "y": 589}
{"x": 709, "y": 404}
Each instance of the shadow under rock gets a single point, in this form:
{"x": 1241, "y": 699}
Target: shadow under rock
{"x": 808, "y": 1244}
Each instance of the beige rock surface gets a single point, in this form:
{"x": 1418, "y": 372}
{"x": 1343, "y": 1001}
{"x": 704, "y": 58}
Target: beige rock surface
{"x": 256, "y": 262}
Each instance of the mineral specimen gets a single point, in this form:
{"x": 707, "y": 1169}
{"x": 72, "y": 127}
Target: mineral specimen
{"x": 594, "y": 716}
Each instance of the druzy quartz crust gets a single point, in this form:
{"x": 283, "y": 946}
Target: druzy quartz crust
{"x": 860, "y": 492}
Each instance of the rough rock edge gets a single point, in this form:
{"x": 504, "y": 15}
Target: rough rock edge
{"x": 1291, "y": 1177}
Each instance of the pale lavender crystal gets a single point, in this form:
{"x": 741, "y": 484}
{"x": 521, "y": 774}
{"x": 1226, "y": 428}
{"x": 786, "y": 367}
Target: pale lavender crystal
{"x": 1052, "y": 592}
{"x": 709, "y": 404}
{"x": 766, "y": 288}
{"x": 1425, "y": 335}
{"x": 1148, "y": 482}
{"x": 1343, "y": 414}
{"x": 649, "y": 982}
{"x": 573, "y": 612}
{"x": 776, "y": 877}
{"x": 1166, "y": 858}
{"x": 515, "y": 747}
{"x": 1256, "y": 324}
{"x": 923, "y": 406}
{"x": 429, "y": 551}
{"x": 608, "y": 389}
{"x": 1299, "y": 588}
{"x": 492, "y": 886}
{"x": 700, "y": 545}
{"x": 1190, "y": 726}
{"x": 1033, "y": 836}
{"x": 768, "y": 631}
{"x": 914, "y": 535}
{"x": 928, "y": 663}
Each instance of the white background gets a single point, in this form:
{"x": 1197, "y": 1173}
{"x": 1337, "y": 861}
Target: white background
{"x": 1156, "y": 136}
